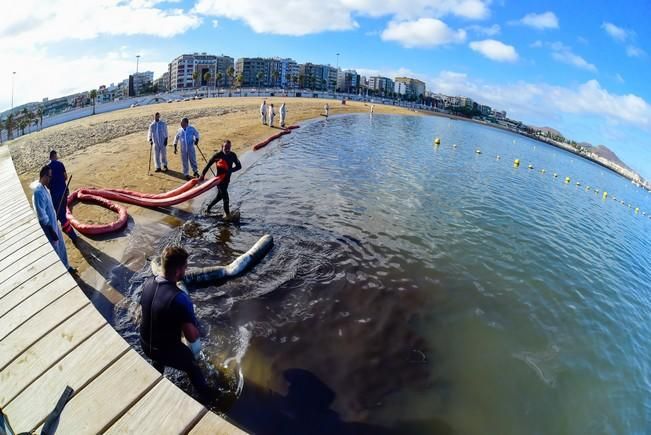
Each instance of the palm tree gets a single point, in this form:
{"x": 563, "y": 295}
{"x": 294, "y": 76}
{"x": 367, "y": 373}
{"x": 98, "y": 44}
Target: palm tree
{"x": 206, "y": 78}
{"x": 230, "y": 72}
{"x": 238, "y": 80}
{"x": 195, "y": 77}
{"x": 218, "y": 79}
{"x": 258, "y": 77}
{"x": 31, "y": 116}
{"x": 9, "y": 125}
{"x": 22, "y": 124}
{"x": 39, "y": 113}
{"x": 275, "y": 75}
{"x": 93, "y": 97}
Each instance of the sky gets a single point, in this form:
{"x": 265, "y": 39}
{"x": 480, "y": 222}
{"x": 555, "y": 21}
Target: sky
{"x": 580, "y": 67}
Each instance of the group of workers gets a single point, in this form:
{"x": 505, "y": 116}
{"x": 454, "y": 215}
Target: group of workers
{"x": 268, "y": 114}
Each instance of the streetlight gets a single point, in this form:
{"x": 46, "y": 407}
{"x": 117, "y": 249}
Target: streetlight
{"x": 337, "y": 60}
{"x": 137, "y": 61}
{"x": 13, "y": 76}
{"x": 337, "y": 74}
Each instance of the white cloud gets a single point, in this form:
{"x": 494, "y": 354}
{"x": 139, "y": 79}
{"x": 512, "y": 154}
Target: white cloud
{"x": 36, "y": 23}
{"x": 53, "y": 77}
{"x": 543, "y": 102}
{"x": 546, "y": 20}
{"x": 617, "y": 33}
{"x": 536, "y": 44}
{"x": 215, "y": 24}
{"x": 424, "y": 32}
{"x": 564, "y": 54}
{"x": 493, "y": 30}
{"x": 495, "y": 50}
{"x": 633, "y": 51}
{"x": 313, "y": 16}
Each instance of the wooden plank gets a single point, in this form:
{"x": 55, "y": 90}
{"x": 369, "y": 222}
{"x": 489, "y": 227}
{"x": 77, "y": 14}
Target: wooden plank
{"x": 212, "y": 424}
{"x": 76, "y": 369}
{"x": 40, "y": 324}
{"x": 24, "y": 262}
{"x": 22, "y": 312}
{"x": 24, "y": 250}
{"x": 164, "y": 410}
{"x": 108, "y": 397}
{"x": 21, "y": 214}
{"x": 27, "y": 289}
{"x": 28, "y": 273}
{"x": 47, "y": 351}
{"x": 29, "y": 236}
{"x": 9, "y": 237}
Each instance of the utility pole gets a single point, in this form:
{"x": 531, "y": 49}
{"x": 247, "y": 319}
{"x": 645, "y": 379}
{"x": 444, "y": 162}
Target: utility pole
{"x": 137, "y": 62}
{"x": 337, "y": 61}
{"x": 13, "y": 76}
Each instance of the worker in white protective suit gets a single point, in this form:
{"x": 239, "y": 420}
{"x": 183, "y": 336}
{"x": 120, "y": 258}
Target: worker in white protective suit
{"x": 47, "y": 217}
{"x": 157, "y": 137}
{"x": 188, "y": 137}
{"x": 263, "y": 112}
{"x": 272, "y": 115}
{"x": 283, "y": 114}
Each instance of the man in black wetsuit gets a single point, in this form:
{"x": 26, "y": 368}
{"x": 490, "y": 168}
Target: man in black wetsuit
{"x": 167, "y": 313}
{"x": 233, "y": 164}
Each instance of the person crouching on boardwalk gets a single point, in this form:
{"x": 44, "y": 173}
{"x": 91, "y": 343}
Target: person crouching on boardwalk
{"x": 168, "y": 314}
{"x": 232, "y": 165}
{"x": 42, "y": 203}
{"x": 188, "y": 136}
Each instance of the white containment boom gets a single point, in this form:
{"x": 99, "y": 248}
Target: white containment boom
{"x": 199, "y": 275}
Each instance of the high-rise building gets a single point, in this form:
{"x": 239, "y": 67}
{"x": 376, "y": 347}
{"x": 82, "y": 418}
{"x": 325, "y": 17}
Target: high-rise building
{"x": 409, "y": 87}
{"x": 162, "y": 83}
{"x": 318, "y": 77}
{"x": 199, "y": 69}
{"x": 348, "y": 81}
{"x": 382, "y": 85}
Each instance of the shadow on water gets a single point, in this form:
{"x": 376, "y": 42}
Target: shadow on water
{"x": 306, "y": 409}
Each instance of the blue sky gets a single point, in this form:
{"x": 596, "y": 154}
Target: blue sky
{"x": 580, "y": 68}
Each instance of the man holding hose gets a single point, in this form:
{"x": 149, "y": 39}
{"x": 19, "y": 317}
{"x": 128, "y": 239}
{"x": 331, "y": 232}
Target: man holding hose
{"x": 232, "y": 165}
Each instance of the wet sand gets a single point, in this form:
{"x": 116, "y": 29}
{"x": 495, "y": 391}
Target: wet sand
{"x": 111, "y": 150}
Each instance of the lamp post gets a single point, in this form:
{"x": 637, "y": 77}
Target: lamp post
{"x": 137, "y": 62}
{"x": 13, "y": 76}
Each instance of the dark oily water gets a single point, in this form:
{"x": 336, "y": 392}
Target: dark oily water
{"x": 423, "y": 289}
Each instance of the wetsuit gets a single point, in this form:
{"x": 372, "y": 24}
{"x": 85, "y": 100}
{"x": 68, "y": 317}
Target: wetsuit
{"x": 164, "y": 309}
{"x": 60, "y": 196}
{"x": 233, "y": 165}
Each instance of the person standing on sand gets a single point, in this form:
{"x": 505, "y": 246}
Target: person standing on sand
{"x": 272, "y": 115}
{"x": 42, "y": 203}
{"x": 59, "y": 193}
{"x": 326, "y": 108}
{"x": 188, "y": 136}
{"x": 263, "y": 112}
{"x": 167, "y": 314}
{"x": 372, "y": 107}
{"x": 157, "y": 137}
{"x": 283, "y": 114}
{"x": 233, "y": 164}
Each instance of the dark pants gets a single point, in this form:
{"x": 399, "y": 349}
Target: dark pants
{"x": 178, "y": 356}
{"x": 222, "y": 194}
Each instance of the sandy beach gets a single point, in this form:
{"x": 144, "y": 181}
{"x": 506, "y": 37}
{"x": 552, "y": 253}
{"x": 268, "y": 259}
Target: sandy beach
{"x": 111, "y": 150}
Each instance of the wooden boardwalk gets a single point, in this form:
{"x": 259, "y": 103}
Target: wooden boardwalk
{"x": 51, "y": 336}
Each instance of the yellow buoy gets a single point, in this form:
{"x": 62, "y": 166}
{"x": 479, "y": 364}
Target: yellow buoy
{"x": 542, "y": 171}
{"x": 437, "y": 141}
{"x": 578, "y": 184}
{"x": 516, "y": 163}
{"x": 587, "y": 188}
{"x": 605, "y": 195}
{"x": 530, "y": 166}
{"x": 637, "y": 210}
{"x": 567, "y": 180}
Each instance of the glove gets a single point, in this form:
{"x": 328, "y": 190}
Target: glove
{"x": 195, "y": 347}
{"x": 51, "y": 234}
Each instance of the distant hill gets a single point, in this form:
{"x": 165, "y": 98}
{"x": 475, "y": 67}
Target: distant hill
{"x": 607, "y": 153}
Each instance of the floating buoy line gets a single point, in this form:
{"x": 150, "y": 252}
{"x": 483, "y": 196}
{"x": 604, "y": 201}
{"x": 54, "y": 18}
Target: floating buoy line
{"x": 568, "y": 180}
